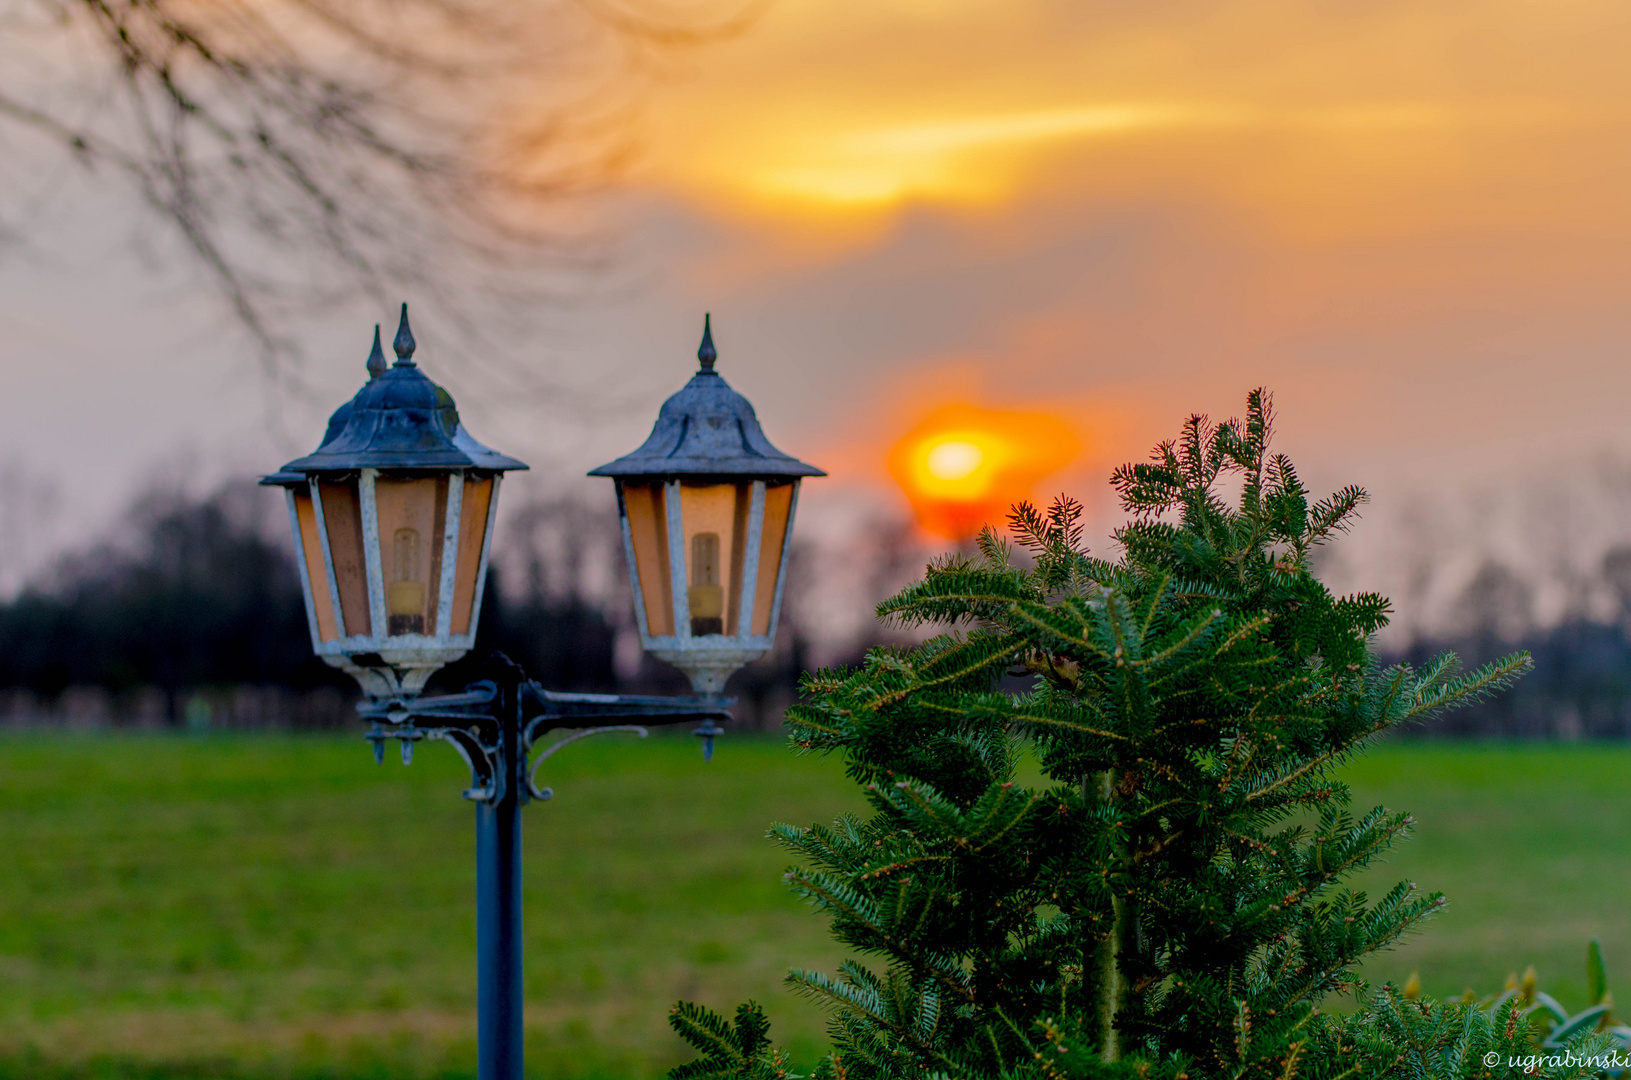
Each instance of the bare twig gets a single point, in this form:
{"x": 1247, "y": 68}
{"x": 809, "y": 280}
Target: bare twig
{"x": 304, "y": 152}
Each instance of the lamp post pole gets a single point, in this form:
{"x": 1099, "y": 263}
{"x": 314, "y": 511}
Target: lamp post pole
{"x": 498, "y": 906}
{"x": 494, "y": 724}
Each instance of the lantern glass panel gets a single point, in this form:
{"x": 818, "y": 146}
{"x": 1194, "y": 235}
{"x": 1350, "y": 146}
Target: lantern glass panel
{"x": 412, "y": 516}
{"x": 311, "y": 554}
{"x": 715, "y": 521}
{"x": 342, "y": 517}
{"x": 646, "y": 510}
{"x": 473, "y": 511}
{"x": 773, "y": 536}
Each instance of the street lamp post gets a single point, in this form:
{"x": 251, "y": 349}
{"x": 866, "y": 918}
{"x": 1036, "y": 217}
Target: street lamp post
{"x": 393, "y": 517}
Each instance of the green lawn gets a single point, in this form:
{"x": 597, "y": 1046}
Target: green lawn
{"x": 281, "y": 907}
{"x": 1531, "y": 843}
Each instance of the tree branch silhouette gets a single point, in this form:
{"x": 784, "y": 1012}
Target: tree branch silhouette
{"x": 306, "y": 151}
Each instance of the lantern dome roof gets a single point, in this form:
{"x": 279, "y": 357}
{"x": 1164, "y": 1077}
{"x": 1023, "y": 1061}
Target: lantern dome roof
{"x": 707, "y": 429}
{"x": 400, "y": 419}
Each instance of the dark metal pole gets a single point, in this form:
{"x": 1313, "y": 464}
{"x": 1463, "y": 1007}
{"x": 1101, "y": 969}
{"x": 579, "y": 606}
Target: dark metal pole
{"x": 492, "y": 723}
{"x": 498, "y": 904}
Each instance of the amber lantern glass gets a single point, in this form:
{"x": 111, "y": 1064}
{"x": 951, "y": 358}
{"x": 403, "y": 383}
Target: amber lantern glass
{"x": 707, "y": 507}
{"x": 730, "y": 540}
{"x": 412, "y": 516}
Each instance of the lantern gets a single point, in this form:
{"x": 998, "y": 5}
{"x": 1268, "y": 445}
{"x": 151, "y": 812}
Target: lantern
{"x": 707, "y": 510}
{"x": 392, "y": 517}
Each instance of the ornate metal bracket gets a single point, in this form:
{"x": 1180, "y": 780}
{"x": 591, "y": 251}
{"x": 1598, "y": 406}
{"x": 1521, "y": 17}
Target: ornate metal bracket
{"x": 534, "y": 791}
{"x": 494, "y": 727}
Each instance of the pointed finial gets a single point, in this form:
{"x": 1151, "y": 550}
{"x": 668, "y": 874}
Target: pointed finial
{"x": 706, "y": 733}
{"x": 706, "y": 351}
{"x": 404, "y": 343}
{"x": 376, "y": 359}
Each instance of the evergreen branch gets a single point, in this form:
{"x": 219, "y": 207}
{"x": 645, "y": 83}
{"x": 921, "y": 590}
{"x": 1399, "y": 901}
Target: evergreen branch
{"x": 862, "y": 993}
{"x": 976, "y": 654}
{"x": 707, "y": 1031}
{"x": 1039, "y": 719}
{"x": 834, "y": 895}
{"x": 896, "y": 865}
{"x": 954, "y": 592}
{"x": 1494, "y": 676}
{"x": 1334, "y": 514}
{"x": 1310, "y": 766}
{"x": 1041, "y": 617}
{"x": 1193, "y": 634}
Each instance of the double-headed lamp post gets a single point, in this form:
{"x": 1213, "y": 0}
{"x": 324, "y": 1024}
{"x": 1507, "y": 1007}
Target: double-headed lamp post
{"x": 393, "y": 523}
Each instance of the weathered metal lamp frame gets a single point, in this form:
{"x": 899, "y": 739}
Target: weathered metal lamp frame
{"x": 400, "y": 427}
{"x": 707, "y": 434}
{"x": 402, "y": 424}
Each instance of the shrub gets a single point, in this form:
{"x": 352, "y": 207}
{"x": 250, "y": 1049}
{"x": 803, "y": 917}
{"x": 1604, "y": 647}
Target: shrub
{"x": 1167, "y": 899}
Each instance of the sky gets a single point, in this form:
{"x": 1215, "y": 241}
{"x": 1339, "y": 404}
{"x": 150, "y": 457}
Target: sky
{"x": 1080, "y": 221}
{"x": 1409, "y": 220}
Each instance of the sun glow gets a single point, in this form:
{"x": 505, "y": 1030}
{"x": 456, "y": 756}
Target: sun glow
{"x": 954, "y": 459}
{"x": 963, "y": 466}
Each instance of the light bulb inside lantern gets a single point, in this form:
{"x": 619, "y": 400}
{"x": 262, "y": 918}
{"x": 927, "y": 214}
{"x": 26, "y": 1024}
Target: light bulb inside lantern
{"x": 706, "y": 592}
{"x": 405, "y": 597}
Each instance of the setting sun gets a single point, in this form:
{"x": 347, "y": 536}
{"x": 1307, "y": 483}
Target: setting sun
{"x": 958, "y": 464}
{"x": 954, "y": 459}
{"x": 963, "y": 466}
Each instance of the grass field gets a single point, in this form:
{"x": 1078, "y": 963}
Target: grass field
{"x": 280, "y": 907}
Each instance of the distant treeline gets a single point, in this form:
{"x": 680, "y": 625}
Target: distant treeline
{"x": 198, "y": 612}
{"x": 197, "y": 597}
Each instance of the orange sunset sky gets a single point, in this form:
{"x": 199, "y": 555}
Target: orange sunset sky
{"x": 1409, "y": 220}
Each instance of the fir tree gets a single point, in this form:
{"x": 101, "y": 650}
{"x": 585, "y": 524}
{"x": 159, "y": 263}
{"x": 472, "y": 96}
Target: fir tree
{"x": 1167, "y": 899}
